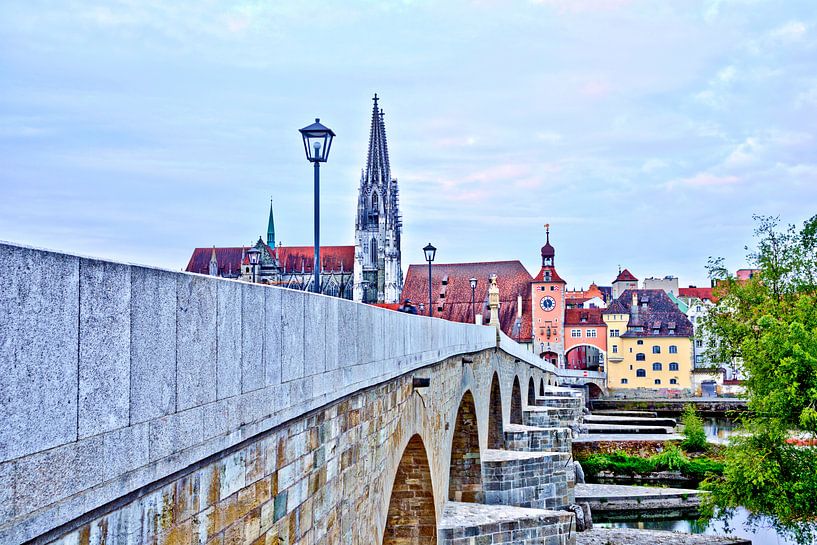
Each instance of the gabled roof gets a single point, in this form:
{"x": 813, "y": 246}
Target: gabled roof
{"x": 454, "y": 296}
{"x": 703, "y": 294}
{"x": 625, "y": 276}
{"x": 291, "y": 259}
{"x": 590, "y": 316}
{"x": 659, "y": 311}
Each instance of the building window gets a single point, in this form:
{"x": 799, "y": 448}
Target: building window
{"x": 547, "y": 276}
{"x": 699, "y": 359}
{"x": 699, "y": 343}
{"x": 575, "y": 333}
{"x": 656, "y": 331}
{"x": 373, "y": 254}
{"x": 640, "y": 357}
{"x": 673, "y": 381}
{"x": 657, "y": 366}
{"x": 697, "y": 308}
{"x": 615, "y": 349}
{"x": 656, "y": 349}
{"x": 591, "y": 333}
{"x": 553, "y": 288}
{"x": 673, "y": 349}
{"x": 640, "y": 341}
{"x": 673, "y": 366}
{"x": 658, "y": 381}
{"x": 614, "y": 333}
{"x": 624, "y": 381}
{"x": 640, "y": 373}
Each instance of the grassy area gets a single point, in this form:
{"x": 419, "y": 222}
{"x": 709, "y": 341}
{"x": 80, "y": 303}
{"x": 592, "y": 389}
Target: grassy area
{"x": 671, "y": 459}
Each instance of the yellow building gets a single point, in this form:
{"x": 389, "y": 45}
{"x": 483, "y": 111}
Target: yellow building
{"x": 649, "y": 342}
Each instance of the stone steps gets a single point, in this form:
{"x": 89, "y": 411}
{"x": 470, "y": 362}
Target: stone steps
{"x": 550, "y": 417}
{"x": 467, "y": 523}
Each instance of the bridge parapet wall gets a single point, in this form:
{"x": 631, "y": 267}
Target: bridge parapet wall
{"x": 115, "y": 376}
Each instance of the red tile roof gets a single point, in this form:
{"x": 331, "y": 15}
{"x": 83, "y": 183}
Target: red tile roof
{"x": 291, "y": 258}
{"x": 554, "y": 276}
{"x": 591, "y": 316}
{"x": 228, "y": 259}
{"x": 455, "y": 296}
{"x": 704, "y": 294}
{"x": 625, "y": 276}
{"x": 333, "y": 258}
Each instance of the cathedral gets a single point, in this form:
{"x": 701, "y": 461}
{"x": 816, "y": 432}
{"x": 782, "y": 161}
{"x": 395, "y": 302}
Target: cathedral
{"x": 378, "y": 277}
{"x": 369, "y": 271}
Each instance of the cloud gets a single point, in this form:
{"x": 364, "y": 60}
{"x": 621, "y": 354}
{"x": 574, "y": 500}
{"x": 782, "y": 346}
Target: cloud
{"x": 744, "y": 153}
{"x": 790, "y": 32}
{"x": 716, "y": 94}
{"x": 703, "y": 179}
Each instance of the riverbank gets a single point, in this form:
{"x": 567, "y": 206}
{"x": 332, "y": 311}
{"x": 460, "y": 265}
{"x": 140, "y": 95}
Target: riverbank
{"x": 634, "y": 536}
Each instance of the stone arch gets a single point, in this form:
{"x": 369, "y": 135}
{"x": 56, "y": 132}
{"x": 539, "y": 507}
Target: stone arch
{"x": 411, "y": 519}
{"x": 531, "y": 392}
{"x": 594, "y": 391}
{"x": 465, "y": 475}
{"x": 496, "y": 435}
{"x": 542, "y": 386}
{"x": 516, "y": 402}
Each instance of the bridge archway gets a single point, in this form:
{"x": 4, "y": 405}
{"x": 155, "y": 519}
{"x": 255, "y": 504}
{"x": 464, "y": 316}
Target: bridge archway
{"x": 465, "y": 475}
{"x": 531, "y": 392}
{"x": 496, "y": 435}
{"x": 541, "y": 386}
{"x": 594, "y": 391}
{"x": 411, "y": 519}
{"x": 516, "y": 402}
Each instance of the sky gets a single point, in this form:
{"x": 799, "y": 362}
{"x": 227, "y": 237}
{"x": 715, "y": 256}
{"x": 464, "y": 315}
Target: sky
{"x": 645, "y": 133}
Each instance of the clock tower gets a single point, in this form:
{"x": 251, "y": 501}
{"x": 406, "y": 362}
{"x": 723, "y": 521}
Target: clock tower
{"x": 548, "y": 302}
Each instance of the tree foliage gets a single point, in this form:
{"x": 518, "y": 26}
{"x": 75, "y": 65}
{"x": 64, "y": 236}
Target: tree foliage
{"x": 767, "y": 326}
{"x": 694, "y": 434}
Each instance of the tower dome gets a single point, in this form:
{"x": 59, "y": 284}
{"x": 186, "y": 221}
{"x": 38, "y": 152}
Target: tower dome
{"x": 548, "y": 252}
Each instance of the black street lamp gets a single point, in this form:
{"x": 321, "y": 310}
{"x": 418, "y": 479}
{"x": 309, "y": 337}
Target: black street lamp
{"x": 430, "y": 252}
{"x": 317, "y": 142}
{"x": 254, "y": 256}
{"x": 473, "y": 282}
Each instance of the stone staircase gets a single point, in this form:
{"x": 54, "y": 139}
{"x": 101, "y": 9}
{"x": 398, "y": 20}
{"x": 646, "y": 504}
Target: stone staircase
{"x": 527, "y": 484}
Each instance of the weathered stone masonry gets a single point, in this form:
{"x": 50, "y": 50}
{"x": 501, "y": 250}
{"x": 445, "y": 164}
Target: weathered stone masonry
{"x": 145, "y": 406}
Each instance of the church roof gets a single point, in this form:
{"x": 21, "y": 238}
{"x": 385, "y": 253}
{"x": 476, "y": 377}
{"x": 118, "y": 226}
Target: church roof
{"x": 451, "y": 291}
{"x": 377, "y": 159}
{"x": 291, "y": 258}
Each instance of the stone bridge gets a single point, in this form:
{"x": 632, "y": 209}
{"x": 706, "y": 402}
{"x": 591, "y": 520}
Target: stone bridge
{"x": 143, "y": 406}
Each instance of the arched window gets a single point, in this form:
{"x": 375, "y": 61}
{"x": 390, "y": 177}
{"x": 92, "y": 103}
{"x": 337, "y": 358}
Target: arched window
{"x": 673, "y": 366}
{"x": 656, "y": 349}
{"x": 673, "y": 349}
{"x": 640, "y": 373}
{"x": 640, "y": 357}
{"x": 374, "y": 203}
{"x": 673, "y": 381}
{"x": 656, "y": 366}
{"x": 332, "y": 289}
{"x": 658, "y": 381}
{"x": 373, "y": 252}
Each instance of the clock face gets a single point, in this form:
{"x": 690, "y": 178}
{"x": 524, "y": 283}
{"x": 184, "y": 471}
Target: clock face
{"x": 547, "y": 304}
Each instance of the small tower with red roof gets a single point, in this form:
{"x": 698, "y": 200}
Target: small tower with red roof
{"x": 548, "y": 303}
{"x": 623, "y": 282}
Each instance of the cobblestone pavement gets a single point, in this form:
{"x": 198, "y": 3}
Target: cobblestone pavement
{"x": 632, "y": 536}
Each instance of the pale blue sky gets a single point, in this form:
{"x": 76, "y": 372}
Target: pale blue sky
{"x": 646, "y": 133}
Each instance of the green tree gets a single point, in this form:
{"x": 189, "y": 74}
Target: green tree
{"x": 694, "y": 434}
{"x": 768, "y": 327}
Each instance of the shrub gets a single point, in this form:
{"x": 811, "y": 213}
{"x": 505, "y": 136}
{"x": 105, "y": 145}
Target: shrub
{"x": 694, "y": 435}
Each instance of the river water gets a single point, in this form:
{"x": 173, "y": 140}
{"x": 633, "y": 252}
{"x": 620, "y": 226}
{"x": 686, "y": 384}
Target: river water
{"x": 760, "y": 535}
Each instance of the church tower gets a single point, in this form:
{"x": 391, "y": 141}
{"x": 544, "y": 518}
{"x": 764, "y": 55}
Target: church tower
{"x": 548, "y": 304}
{"x": 378, "y": 276}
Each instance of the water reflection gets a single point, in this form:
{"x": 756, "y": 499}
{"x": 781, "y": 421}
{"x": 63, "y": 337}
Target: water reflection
{"x": 718, "y": 429}
{"x": 760, "y": 535}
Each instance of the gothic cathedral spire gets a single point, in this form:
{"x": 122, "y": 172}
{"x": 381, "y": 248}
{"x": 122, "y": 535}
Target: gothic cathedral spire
{"x": 378, "y": 273}
{"x": 271, "y": 227}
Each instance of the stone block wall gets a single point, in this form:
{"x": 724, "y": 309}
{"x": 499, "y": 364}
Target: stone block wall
{"x": 117, "y": 376}
{"x": 525, "y": 479}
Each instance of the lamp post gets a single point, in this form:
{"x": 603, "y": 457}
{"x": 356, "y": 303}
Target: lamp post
{"x": 430, "y": 251}
{"x": 254, "y": 256}
{"x": 473, "y": 282}
{"x": 317, "y": 141}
